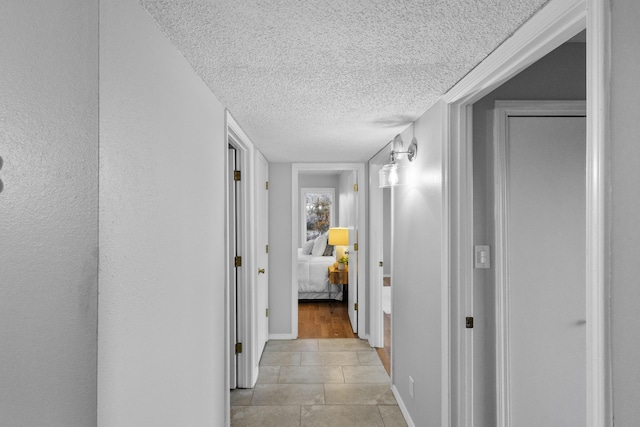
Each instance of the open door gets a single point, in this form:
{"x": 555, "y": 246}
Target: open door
{"x": 349, "y": 219}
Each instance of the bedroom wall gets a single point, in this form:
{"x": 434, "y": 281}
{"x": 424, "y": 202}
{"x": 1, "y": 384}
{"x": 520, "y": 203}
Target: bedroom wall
{"x": 280, "y": 249}
{"x": 49, "y": 212}
{"x": 560, "y": 75}
{"x": 162, "y": 151}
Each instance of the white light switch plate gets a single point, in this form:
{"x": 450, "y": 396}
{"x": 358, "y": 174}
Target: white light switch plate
{"x": 482, "y": 256}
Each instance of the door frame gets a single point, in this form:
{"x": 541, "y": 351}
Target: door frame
{"x": 359, "y": 168}
{"x": 502, "y": 112}
{"x": 246, "y": 326}
{"x": 376, "y": 320}
{"x": 552, "y": 25}
{"x": 259, "y": 186}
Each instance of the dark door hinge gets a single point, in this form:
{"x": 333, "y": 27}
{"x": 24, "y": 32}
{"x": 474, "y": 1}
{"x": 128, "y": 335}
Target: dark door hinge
{"x": 236, "y": 175}
{"x": 238, "y": 347}
{"x": 469, "y": 323}
{"x": 238, "y": 261}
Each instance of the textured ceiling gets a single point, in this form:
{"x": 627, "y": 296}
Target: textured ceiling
{"x": 333, "y": 80}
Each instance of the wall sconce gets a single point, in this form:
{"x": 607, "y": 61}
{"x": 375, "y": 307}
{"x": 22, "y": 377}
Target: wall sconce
{"x": 391, "y": 174}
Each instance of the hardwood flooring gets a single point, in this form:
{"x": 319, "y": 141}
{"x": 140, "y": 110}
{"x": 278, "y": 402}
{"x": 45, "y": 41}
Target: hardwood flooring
{"x": 315, "y": 320}
{"x": 385, "y": 352}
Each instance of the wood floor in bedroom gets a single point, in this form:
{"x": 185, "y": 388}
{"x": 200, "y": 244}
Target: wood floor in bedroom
{"x": 324, "y": 319}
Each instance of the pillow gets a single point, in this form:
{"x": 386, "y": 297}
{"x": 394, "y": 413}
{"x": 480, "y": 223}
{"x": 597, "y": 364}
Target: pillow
{"x": 307, "y": 247}
{"x": 319, "y": 245}
{"x": 328, "y": 251}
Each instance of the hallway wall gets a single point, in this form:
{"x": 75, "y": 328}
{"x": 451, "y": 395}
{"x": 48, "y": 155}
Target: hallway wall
{"x": 418, "y": 274}
{"x": 280, "y": 249}
{"x": 622, "y": 210}
{"x": 162, "y": 310}
{"x": 48, "y": 212}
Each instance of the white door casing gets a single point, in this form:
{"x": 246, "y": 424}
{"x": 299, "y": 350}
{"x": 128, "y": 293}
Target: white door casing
{"x": 262, "y": 252}
{"x": 540, "y": 187}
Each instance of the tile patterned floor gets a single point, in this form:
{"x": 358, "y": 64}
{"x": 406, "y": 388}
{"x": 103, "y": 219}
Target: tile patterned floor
{"x": 315, "y": 383}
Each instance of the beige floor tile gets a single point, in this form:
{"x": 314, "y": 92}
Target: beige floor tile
{"x": 365, "y": 374}
{"x": 392, "y": 416}
{"x": 241, "y": 397}
{"x": 343, "y": 344}
{"x": 310, "y": 374}
{"x": 370, "y": 358}
{"x": 330, "y": 358}
{"x": 265, "y": 416}
{"x": 291, "y": 345}
{"x": 279, "y": 358}
{"x": 287, "y": 394}
{"x": 341, "y": 416}
{"x": 268, "y": 374}
{"x": 358, "y": 394}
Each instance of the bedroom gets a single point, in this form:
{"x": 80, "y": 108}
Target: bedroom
{"x": 325, "y": 203}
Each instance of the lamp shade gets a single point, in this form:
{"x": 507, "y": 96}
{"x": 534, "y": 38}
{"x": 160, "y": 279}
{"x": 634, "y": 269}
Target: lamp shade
{"x": 339, "y": 236}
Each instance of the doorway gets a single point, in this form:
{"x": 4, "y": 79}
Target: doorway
{"x": 348, "y": 209}
{"x": 540, "y": 178}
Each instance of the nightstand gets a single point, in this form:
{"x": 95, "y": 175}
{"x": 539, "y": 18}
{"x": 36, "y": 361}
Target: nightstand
{"x": 340, "y": 278}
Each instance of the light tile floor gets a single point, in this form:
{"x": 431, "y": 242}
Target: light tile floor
{"x": 318, "y": 382}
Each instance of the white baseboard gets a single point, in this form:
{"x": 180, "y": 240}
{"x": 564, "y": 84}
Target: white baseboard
{"x": 281, "y": 337}
{"x": 403, "y": 408}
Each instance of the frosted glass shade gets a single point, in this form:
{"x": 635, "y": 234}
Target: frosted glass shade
{"x": 391, "y": 175}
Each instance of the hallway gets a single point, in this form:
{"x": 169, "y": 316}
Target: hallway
{"x": 318, "y": 382}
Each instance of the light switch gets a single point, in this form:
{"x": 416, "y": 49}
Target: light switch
{"x": 482, "y": 256}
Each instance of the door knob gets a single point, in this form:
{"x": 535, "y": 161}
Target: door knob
{"x": 261, "y": 270}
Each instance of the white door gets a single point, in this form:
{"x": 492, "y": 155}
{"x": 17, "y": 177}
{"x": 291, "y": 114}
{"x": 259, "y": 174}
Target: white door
{"x": 541, "y": 164}
{"x": 262, "y": 258}
{"x": 352, "y": 224}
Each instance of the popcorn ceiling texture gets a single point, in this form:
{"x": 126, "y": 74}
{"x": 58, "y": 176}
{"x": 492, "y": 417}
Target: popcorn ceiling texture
{"x": 333, "y": 80}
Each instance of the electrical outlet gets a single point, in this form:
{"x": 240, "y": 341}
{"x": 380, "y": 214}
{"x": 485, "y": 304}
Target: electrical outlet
{"x": 411, "y": 387}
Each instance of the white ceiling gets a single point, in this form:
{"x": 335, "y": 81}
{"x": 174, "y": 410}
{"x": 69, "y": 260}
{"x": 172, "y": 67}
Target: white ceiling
{"x": 333, "y": 80}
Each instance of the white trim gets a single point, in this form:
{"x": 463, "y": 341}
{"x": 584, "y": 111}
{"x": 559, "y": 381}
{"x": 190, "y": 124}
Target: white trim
{"x": 445, "y": 288}
{"x": 247, "y": 360}
{"x": 553, "y": 25}
{"x": 599, "y": 404}
{"x": 402, "y": 406}
{"x": 376, "y": 319}
{"x": 503, "y": 110}
{"x": 550, "y": 27}
{"x": 281, "y": 337}
{"x": 296, "y": 168}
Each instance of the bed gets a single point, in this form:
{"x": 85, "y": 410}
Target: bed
{"x": 313, "y": 271}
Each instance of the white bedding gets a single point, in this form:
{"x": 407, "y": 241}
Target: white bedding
{"x": 313, "y": 277}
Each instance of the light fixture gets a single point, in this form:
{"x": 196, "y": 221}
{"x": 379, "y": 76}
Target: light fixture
{"x": 339, "y": 237}
{"x": 392, "y": 174}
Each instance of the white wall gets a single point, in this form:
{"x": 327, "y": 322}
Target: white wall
{"x": 162, "y": 151}
{"x": 386, "y": 231}
{"x": 49, "y": 212}
{"x": 560, "y": 75}
{"x": 280, "y": 230}
{"x": 623, "y": 210}
{"x": 417, "y": 274}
